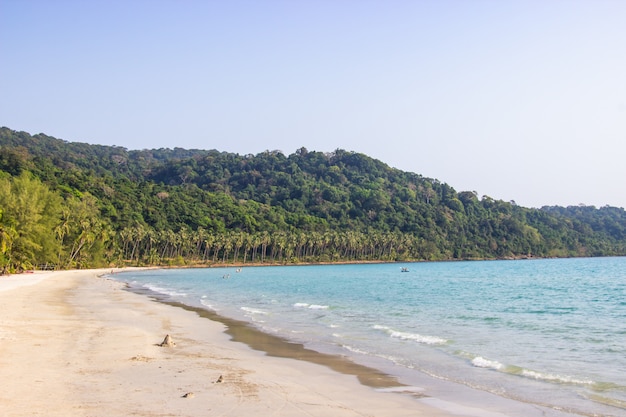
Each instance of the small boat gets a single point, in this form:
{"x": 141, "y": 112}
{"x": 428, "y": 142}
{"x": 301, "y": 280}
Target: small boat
{"x": 404, "y": 269}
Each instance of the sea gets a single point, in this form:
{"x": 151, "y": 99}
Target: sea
{"x": 549, "y": 334}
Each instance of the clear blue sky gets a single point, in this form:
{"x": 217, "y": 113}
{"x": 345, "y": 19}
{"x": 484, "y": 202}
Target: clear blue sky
{"x": 518, "y": 100}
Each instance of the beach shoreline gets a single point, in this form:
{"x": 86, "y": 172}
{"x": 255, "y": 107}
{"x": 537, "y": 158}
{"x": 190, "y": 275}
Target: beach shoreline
{"x": 376, "y": 372}
{"x": 77, "y": 344}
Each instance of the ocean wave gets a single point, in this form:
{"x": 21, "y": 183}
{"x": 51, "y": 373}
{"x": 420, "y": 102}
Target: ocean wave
{"x": 403, "y": 389}
{"x": 311, "y": 306}
{"x": 613, "y": 402}
{"x": 360, "y": 351}
{"x": 608, "y": 386}
{"x": 166, "y": 291}
{"x": 481, "y": 362}
{"x": 416, "y": 337}
{"x": 555, "y": 378}
{"x": 250, "y": 310}
{"x": 355, "y": 350}
{"x": 318, "y": 307}
{"x": 208, "y": 305}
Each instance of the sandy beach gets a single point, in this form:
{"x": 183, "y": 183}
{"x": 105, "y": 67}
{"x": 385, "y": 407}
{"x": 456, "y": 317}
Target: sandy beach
{"x": 75, "y": 344}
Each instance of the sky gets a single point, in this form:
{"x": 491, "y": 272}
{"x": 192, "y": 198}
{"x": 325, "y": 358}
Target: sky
{"x": 521, "y": 101}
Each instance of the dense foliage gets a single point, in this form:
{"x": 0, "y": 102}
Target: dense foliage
{"x": 74, "y": 205}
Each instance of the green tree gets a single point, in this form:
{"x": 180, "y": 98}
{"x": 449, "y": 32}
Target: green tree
{"x": 7, "y": 235}
{"x": 31, "y": 212}
{"x": 81, "y": 232}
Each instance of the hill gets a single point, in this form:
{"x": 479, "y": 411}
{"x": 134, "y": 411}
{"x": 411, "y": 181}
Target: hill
{"x": 78, "y": 205}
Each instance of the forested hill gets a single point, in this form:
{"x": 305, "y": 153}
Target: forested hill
{"x": 66, "y": 204}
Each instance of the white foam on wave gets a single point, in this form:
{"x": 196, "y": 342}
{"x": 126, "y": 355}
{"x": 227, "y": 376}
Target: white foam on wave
{"x": 250, "y": 310}
{"x": 354, "y": 350}
{"x": 481, "y": 362}
{"x": 561, "y": 379}
{"x": 166, "y": 291}
{"x": 311, "y": 306}
{"x": 403, "y": 389}
{"x": 416, "y": 337}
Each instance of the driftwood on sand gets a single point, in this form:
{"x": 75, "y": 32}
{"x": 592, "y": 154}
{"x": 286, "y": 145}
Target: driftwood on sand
{"x": 167, "y": 342}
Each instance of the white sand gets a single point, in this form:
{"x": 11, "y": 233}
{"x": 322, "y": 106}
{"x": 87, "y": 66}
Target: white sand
{"x": 13, "y": 281}
{"x": 78, "y": 345}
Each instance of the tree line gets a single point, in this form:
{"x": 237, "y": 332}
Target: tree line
{"x": 74, "y": 205}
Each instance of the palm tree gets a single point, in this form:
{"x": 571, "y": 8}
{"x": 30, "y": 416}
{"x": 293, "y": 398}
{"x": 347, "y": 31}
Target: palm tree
{"x": 265, "y": 241}
{"x": 209, "y": 239}
{"x": 228, "y": 246}
{"x": 218, "y": 244}
{"x": 256, "y": 242}
{"x": 238, "y": 241}
{"x": 126, "y": 235}
{"x": 248, "y": 242}
{"x": 138, "y": 233}
{"x": 61, "y": 231}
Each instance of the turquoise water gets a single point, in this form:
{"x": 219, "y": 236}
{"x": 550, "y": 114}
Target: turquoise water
{"x": 547, "y": 332}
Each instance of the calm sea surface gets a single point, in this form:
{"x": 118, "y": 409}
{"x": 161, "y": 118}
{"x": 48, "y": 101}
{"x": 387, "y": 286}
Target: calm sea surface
{"x": 547, "y": 332}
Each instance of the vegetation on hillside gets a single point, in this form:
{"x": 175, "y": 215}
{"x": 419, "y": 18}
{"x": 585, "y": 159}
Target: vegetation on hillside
{"x": 75, "y": 205}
